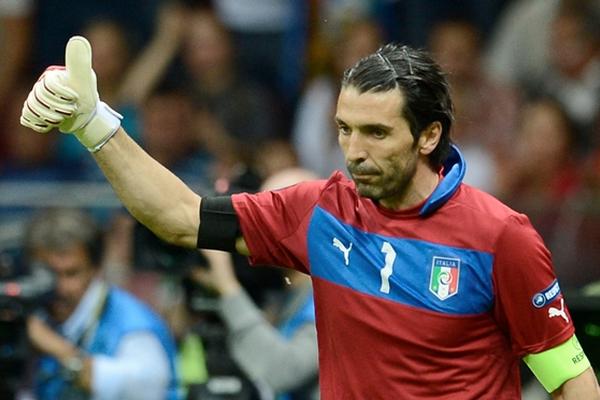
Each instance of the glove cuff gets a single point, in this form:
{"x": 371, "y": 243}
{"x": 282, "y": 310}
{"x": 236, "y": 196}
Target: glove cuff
{"x": 100, "y": 128}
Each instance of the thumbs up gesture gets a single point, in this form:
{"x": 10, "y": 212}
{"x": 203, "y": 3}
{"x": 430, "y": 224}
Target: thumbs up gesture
{"x": 67, "y": 98}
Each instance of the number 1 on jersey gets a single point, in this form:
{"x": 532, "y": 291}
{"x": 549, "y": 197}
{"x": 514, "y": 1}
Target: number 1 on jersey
{"x": 388, "y": 268}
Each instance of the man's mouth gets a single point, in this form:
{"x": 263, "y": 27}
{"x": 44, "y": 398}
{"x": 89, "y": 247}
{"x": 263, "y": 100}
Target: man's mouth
{"x": 363, "y": 177}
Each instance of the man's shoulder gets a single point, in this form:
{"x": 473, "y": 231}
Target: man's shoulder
{"x": 476, "y": 201}
{"x": 480, "y": 219}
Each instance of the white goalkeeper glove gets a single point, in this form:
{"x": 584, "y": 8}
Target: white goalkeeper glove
{"x": 67, "y": 99}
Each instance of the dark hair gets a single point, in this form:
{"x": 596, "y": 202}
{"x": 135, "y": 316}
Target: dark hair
{"x": 421, "y": 81}
{"x": 58, "y": 229}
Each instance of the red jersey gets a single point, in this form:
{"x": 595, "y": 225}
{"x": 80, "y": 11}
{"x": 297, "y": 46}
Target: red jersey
{"x": 439, "y": 304}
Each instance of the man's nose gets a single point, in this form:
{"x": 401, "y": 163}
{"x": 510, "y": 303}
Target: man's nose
{"x": 355, "y": 148}
{"x": 62, "y": 285}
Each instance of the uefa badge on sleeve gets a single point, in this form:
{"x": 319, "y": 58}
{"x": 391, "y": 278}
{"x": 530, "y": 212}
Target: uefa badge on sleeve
{"x": 445, "y": 273}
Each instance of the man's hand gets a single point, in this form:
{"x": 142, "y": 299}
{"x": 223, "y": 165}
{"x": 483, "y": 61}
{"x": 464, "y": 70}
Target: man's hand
{"x": 67, "y": 98}
{"x": 50, "y": 101}
{"x": 47, "y": 341}
{"x": 219, "y": 274}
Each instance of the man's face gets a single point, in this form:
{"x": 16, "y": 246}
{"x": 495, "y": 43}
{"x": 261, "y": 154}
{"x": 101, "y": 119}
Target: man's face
{"x": 379, "y": 149}
{"x": 571, "y": 48}
{"x": 74, "y": 272}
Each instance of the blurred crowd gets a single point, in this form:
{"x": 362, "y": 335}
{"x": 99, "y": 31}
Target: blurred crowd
{"x": 227, "y": 93}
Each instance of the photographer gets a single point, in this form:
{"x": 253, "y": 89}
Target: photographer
{"x": 278, "y": 352}
{"x": 95, "y": 340}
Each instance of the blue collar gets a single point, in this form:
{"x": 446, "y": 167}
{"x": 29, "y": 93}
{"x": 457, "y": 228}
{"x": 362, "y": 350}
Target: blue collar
{"x": 453, "y": 174}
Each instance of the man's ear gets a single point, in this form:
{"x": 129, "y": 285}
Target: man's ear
{"x": 430, "y": 137}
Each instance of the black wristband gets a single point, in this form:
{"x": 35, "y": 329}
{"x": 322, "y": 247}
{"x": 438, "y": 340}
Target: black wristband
{"x": 219, "y": 225}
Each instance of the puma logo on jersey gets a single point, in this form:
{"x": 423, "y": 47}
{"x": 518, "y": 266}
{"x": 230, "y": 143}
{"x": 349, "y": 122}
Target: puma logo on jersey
{"x": 558, "y": 312}
{"x": 346, "y": 250}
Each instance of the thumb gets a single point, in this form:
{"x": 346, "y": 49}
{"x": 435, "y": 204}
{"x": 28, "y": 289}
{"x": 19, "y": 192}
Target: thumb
{"x": 78, "y": 60}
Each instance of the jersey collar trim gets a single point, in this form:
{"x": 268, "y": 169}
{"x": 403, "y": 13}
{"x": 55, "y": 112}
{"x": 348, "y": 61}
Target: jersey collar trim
{"x": 456, "y": 167}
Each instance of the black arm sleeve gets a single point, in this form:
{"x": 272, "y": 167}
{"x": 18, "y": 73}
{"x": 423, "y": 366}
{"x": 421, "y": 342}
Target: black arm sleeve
{"x": 219, "y": 225}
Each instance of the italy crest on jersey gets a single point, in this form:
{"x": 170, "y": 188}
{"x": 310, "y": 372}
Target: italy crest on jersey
{"x": 445, "y": 273}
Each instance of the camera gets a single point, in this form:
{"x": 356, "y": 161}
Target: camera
{"x": 22, "y": 288}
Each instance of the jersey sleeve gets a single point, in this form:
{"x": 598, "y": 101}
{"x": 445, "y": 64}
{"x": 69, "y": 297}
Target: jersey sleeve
{"x": 529, "y": 304}
{"x": 274, "y": 223}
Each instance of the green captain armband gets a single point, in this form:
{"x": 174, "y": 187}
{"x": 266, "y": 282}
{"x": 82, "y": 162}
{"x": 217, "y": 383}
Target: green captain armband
{"x": 556, "y": 366}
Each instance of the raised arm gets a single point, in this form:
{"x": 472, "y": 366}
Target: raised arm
{"x": 15, "y": 44}
{"x": 152, "y": 194}
{"x": 259, "y": 348}
{"x": 67, "y": 98}
{"x": 151, "y": 65}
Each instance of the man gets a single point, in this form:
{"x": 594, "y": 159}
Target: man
{"x": 96, "y": 340}
{"x": 424, "y": 287}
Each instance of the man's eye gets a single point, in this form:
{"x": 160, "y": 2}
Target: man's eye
{"x": 344, "y": 130}
{"x": 378, "y": 134}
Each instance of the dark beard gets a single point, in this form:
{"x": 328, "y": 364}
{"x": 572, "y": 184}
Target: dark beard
{"x": 390, "y": 185}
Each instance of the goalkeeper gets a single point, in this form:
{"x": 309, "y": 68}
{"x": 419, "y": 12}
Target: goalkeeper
{"x": 425, "y": 288}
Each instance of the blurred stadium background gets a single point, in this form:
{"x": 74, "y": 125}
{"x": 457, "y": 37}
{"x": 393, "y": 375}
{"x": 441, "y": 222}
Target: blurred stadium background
{"x": 226, "y": 92}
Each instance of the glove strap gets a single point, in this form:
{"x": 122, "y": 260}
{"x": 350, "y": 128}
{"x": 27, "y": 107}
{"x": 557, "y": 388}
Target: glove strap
{"x": 100, "y": 128}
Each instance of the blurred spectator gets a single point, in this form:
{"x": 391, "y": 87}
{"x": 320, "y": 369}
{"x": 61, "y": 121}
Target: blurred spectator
{"x": 314, "y": 132}
{"x": 542, "y": 172}
{"x": 110, "y": 58}
{"x": 485, "y": 113}
{"x": 276, "y": 155}
{"x": 152, "y": 64}
{"x": 168, "y": 136}
{"x": 232, "y": 116}
{"x": 410, "y": 21}
{"x": 573, "y": 74}
{"x": 15, "y": 41}
{"x": 28, "y": 157}
{"x": 243, "y": 111}
{"x": 57, "y": 20}
{"x": 258, "y": 29}
{"x": 551, "y": 47}
{"x": 95, "y": 339}
{"x": 281, "y": 351}
{"x": 519, "y": 49}
{"x": 574, "y": 242}
{"x": 30, "y": 161}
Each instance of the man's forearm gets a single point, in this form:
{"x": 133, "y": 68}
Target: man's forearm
{"x": 262, "y": 352}
{"x": 15, "y": 45}
{"x": 582, "y": 387}
{"x": 153, "y": 195}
